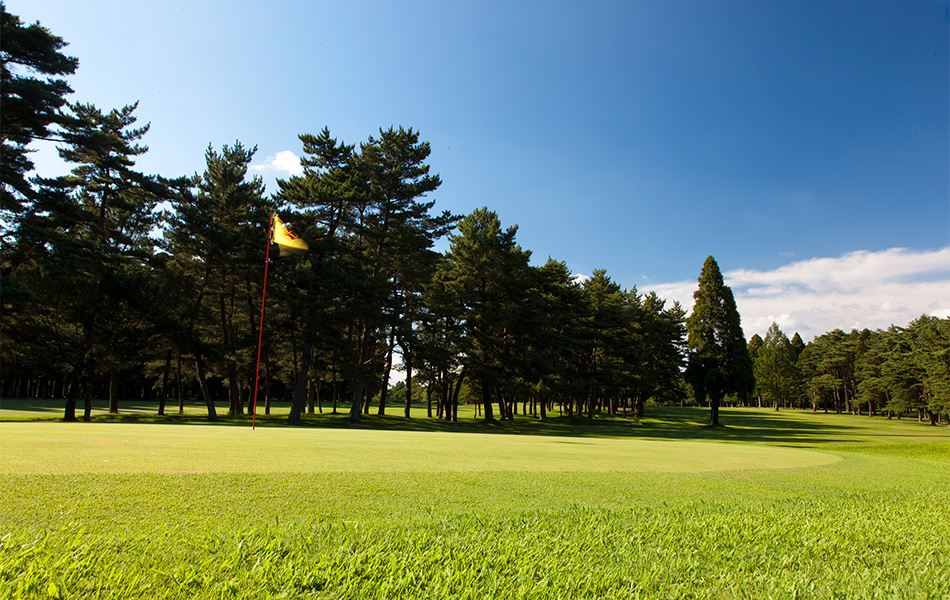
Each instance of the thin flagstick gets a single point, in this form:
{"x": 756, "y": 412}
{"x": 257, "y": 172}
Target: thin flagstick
{"x": 260, "y": 330}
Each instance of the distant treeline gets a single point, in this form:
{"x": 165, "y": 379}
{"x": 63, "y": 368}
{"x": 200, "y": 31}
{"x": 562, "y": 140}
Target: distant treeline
{"x": 894, "y": 372}
{"x": 118, "y": 283}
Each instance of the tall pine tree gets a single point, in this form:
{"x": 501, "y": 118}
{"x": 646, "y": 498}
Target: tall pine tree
{"x": 718, "y": 362}
{"x": 31, "y": 94}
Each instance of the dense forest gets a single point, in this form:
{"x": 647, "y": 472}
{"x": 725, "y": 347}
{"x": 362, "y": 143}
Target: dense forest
{"x": 118, "y": 284}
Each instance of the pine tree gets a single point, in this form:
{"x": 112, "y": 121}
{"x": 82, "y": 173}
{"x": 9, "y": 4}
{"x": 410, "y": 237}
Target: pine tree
{"x": 662, "y": 346}
{"x": 89, "y": 279}
{"x": 719, "y": 362}
{"x": 487, "y": 277}
{"x": 776, "y": 375}
{"x": 31, "y": 96}
{"x": 370, "y": 236}
{"x": 215, "y": 236}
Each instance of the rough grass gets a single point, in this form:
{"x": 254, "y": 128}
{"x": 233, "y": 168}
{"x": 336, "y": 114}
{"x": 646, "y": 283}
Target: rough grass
{"x": 464, "y": 519}
{"x": 683, "y": 551}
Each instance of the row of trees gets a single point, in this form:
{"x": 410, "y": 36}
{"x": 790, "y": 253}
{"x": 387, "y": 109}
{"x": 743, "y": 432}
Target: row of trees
{"x": 112, "y": 274}
{"x": 900, "y": 370}
{"x": 115, "y": 281}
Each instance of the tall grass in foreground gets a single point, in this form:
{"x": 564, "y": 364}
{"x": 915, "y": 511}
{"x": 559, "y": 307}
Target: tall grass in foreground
{"x": 850, "y": 547}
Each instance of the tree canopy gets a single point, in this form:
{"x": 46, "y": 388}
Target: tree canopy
{"x": 117, "y": 282}
{"x": 719, "y": 362}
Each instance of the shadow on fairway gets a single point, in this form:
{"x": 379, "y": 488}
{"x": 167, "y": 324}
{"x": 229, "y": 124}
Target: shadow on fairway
{"x": 660, "y": 423}
{"x": 737, "y": 425}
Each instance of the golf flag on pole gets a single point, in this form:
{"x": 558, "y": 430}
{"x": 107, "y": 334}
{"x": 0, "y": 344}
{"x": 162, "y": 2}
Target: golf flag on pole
{"x": 287, "y": 240}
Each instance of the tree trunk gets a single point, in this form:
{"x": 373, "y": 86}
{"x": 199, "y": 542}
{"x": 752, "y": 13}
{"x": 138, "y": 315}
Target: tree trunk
{"x": 267, "y": 385}
{"x": 442, "y": 398}
{"x": 429, "y": 400}
{"x": 70, "y": 413}
{"x": 181, "y": 396}
{"x": 235, "y": 404}
{"x": 714, "y": 412}
{"x": 365, "y": 346}
{"x": 486, "y": 402}
{"x": 300, "y": 387}
{"x": 384, "y": 392}
{"x": 358, "y": 387}
{"x": 203, "y": 384}
{"x": 114, "y": 392}
{"x": 164, "y": 397}
{"x": 367, "y": 396}
{"x": 407, "y": 407}
{"x": 87, "y": 402}
{"x": 455, "y": 397}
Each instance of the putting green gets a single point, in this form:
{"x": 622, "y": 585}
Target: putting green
{"x": 49, "y": 447}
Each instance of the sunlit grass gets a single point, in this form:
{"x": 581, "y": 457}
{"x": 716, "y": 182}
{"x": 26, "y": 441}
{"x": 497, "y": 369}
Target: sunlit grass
{"x": 184, "y": 510}
{"x": 31, "y": 447}
{"x": 810, "y": 550}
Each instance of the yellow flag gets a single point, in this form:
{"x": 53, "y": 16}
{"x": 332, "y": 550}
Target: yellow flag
{"x": 288, "y": 241}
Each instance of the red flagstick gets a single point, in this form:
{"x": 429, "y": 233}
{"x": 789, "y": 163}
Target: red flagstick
{"x": 260, "y": 331}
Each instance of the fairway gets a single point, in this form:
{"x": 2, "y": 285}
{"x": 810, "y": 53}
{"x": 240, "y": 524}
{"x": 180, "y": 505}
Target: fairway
{"x": 30, "y": 447}
{"x": 783, "y": 505}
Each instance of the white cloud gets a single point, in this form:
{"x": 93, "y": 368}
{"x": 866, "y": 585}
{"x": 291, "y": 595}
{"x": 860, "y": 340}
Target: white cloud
{"x": 284, "y": 162}
{"x": 860, "y": 289}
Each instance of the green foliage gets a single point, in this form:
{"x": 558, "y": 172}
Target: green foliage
{"x": 213, "y": 236}
{"x": 31, "y": 96}
{"x": 371, "y": 236}
{"x": 900, "y": 370}
{"x": 487, "y": 279}
{"x": 478, "y": 319}
{"x": 776, "y": 374}
{"x": 719, "y": 362}
{"x": 84, "y": 278}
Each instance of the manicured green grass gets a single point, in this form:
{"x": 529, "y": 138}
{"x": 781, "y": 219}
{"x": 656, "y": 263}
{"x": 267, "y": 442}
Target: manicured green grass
{"x": 198, "y": 448}
{"x": 180, "y": 510}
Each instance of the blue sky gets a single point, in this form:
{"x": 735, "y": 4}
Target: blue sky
{"x": 797, "y": 142}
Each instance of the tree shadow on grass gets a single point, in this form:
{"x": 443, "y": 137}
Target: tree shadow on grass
{"x": 740, "y": 425}
{"x": 796, "y": 428}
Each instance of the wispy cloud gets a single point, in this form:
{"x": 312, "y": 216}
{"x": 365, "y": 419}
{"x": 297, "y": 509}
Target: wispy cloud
{"x": 284, "y": 162}
{"x": 860, "y": 289}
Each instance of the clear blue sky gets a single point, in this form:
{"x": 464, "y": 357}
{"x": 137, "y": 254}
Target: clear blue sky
{"x": 635, "y": 136}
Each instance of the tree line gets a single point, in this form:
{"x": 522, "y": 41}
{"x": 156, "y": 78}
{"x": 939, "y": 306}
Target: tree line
{"x": 116, "y": 282}
{"x": 893, "y": 372}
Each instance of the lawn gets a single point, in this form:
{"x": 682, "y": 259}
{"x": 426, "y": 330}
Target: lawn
{"x": 781, "y": 505}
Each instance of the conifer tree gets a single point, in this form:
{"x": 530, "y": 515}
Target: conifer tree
{"x": 89, "y": 281}
{"x": 487, "y": 276}
{"x": 719, "y": 362}
{"x": 31, "y": 96}
{"x": 662, "y": 344}
{"x": 215, "y": 238}
{"x": 776, "y": 375}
